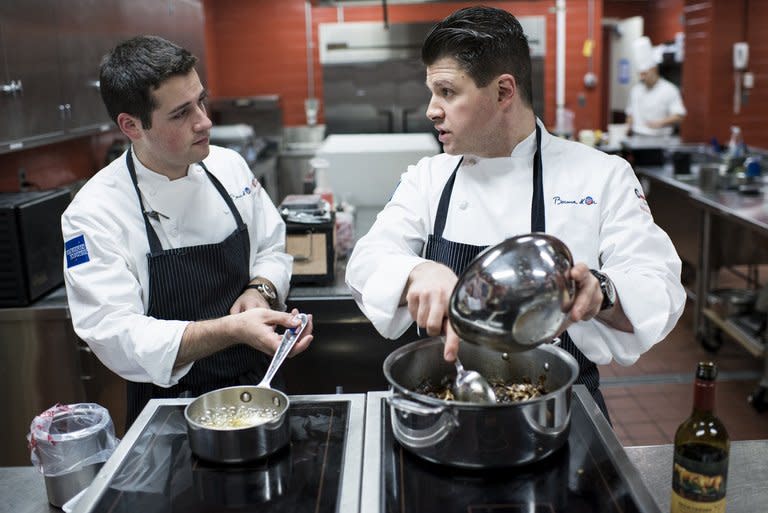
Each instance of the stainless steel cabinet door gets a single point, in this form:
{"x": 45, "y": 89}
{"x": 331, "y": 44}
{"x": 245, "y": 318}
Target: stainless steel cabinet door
{"x": 29, "y": 45}
{"x": 85, "y": 32}
{"x": 50, "y": 53}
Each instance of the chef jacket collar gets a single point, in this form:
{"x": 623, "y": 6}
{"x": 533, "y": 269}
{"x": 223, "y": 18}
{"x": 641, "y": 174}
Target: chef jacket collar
{"x": 157, "y": 189}
{"x": 150, "y": 178}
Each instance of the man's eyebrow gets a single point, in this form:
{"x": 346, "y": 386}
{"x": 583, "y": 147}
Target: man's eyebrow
{"x": 179, "y": 108}
{"x": 203, "y": 96}
{"x": 438, "y": 84}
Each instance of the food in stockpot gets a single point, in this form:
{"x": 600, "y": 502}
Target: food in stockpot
{"x": 507, "y": 391}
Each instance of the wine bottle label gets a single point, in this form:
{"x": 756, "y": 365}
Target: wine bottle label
{"x": 698, "y": 487}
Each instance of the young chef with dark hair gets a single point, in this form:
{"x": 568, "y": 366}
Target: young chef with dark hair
{"x": 502, "y": 174}
{"x": 175, "y": 267}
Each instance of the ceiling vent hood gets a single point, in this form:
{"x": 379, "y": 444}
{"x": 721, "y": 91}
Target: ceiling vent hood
{"x": 357, "y": 42}
{"x": 367, "y": 42}
{"x": 376, "y": 2}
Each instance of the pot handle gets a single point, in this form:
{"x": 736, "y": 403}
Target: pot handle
{"x": 444, "y": 423}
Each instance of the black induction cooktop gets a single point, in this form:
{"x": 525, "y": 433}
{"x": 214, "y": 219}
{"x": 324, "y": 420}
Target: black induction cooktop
{"x": 154, "y": 469}
{"x": 590, "y": 473}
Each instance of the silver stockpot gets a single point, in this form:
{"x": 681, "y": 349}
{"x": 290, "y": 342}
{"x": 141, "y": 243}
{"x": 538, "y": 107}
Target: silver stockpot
{"x": 480, "y": 435}
{"x": 514, "y": 295}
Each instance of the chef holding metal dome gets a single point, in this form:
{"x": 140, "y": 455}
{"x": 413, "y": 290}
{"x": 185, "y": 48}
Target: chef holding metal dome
{"x": 503, "y": 174}
{"x": 655, "y": 106}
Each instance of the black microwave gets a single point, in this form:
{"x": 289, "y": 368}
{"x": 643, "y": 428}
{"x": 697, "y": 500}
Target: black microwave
{"x": 31, "y": 244}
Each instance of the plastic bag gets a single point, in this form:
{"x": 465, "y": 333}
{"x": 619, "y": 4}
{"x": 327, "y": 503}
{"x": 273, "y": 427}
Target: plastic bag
{"x": 67, "y": 438}
{"x": 345, "y": 232}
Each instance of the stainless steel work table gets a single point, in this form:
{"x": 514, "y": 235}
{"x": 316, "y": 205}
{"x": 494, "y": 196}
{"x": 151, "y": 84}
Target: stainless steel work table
{"x": 737, "y": 216}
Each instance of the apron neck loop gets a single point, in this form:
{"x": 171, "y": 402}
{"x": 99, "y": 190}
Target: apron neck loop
{"x": 538, "y": 222}
{"x": 154, "y": 242}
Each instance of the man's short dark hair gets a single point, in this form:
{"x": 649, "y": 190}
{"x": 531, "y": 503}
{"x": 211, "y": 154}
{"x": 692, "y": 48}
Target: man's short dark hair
{"x": 486, "y": 42}
{"x": 135, "y": 68}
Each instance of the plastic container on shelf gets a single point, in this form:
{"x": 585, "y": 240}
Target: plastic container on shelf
{"x": 322, "y": 186}
{"x": 736, "y": 143}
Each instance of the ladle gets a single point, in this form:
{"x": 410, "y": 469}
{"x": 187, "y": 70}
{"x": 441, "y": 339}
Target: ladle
{"x": 471, "y": 386}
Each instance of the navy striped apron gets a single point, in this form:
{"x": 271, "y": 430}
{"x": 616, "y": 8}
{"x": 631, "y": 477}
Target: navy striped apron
{"x": 457, "y": 256}
{"x": 192, "y": 284}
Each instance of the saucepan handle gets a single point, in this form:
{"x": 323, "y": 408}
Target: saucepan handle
{"x": 418, "y": 425}
{"x": 290, "y": 337}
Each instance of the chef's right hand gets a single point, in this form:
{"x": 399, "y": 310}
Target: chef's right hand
{"x": 427, "y": 293}
{"x": 256, "y": 327}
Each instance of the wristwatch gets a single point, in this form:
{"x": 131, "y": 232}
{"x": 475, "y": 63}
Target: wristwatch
{"x": 267, "y": 290}
{"x": 606, "y": 286}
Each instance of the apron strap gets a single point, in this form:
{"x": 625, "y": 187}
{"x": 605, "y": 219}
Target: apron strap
{"x": 154, "y": 242}
{"x": 445, "y": 201}
{"x": 538, "y": 222}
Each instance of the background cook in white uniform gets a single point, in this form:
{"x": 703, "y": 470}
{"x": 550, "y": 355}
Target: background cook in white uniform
{"x": 594, "y": 203}
{"x": 655, "y": 105}
{"x": 108, "y": 295}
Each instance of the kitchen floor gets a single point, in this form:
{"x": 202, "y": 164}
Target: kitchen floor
{"x": 648, "y": 400}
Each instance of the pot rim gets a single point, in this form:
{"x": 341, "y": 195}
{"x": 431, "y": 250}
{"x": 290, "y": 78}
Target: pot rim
{"x": 426, "y": 342}
{"x": 245, "y": 388}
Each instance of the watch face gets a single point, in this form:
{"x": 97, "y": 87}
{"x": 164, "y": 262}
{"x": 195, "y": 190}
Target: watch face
{"x": 267, "y": 290}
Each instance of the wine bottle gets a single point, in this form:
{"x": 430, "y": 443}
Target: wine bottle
{"x": 700, "y": 469}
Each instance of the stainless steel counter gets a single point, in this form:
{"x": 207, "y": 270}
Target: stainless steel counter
{"x": 711, "y": 230}
{"x": 22, "y": 489}
{"x": 751, "y": 211}
{"x": 746, "y": 493}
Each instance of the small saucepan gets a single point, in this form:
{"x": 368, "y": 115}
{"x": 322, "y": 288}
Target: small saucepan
{"x": 243, "y": 423}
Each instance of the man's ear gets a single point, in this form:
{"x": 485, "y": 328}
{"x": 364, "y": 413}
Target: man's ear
{"x": 507, "y": 88}
{"x": 130, "y": 126}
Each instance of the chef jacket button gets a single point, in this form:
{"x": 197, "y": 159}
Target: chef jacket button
{"x": 463, "y": 205}
{"x": 174, "y": 232}
{"x": 152, "y": 192}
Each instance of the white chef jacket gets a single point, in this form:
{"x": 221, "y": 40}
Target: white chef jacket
{"x": 108, "y": 293}
{"x": 658, "y": 102}
{"x": 593, "y": 203}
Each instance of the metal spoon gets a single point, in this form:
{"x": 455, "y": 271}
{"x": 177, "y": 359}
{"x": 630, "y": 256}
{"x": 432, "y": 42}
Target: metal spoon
{"x": 290, "y": 337}
{"x": 471, "y": 387}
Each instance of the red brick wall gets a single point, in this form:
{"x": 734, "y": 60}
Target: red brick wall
{"x": 258, "y": 47}
{"x": 662, "y": 18}
{"x": 711, "y": 28}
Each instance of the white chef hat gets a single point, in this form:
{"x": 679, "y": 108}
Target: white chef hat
{"x": 645, "y": 57}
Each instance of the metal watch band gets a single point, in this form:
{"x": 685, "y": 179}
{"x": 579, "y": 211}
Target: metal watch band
{"x": 609, "y": 299}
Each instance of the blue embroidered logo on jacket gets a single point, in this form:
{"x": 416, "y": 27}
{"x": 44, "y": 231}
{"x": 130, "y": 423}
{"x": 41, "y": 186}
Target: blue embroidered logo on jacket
{"x": 76, "y": 251}
{"x": 586, "y": 200}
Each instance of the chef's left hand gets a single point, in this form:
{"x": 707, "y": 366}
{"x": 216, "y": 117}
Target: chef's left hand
{"x": 249, "y": 299}
{"x": 589, "y": 296}
{"x": 589, "y": 299}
